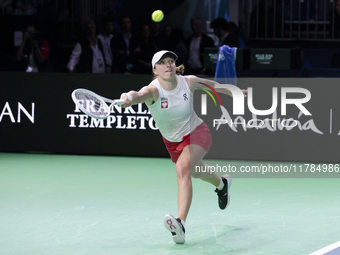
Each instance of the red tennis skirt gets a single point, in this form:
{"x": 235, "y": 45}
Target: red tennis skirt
{"x": 200, "y": 136}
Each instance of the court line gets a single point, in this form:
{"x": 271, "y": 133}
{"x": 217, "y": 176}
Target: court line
{"x": 327, "y": 249}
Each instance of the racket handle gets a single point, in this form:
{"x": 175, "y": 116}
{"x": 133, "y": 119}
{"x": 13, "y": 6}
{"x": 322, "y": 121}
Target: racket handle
{"x": 120, "y": 101}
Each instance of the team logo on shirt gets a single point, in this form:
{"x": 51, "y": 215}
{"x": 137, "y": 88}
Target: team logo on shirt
{"x": 164, "y": 102}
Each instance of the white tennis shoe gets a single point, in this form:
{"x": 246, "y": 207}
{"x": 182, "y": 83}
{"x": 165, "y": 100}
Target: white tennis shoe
{"x": 176, "y": 228}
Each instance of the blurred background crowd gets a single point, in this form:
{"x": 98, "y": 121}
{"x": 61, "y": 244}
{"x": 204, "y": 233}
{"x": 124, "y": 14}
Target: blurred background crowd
{"x": 118, "y": 36}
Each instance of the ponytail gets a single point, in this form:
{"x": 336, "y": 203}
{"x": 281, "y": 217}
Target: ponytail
{"x": 180, "y": 69}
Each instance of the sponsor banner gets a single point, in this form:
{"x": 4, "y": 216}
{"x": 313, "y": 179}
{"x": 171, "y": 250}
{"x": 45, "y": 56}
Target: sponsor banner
{"x": 296, "y": 120}
{"x": 37, "y": 114}
{"x": 280, "y": 120}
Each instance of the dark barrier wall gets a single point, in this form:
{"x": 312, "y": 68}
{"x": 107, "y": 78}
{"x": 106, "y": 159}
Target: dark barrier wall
{"x": 37, "y": 114}
{"x": 59, "y": 128}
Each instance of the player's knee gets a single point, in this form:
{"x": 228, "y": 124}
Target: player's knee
{"x": 182, "y": 170}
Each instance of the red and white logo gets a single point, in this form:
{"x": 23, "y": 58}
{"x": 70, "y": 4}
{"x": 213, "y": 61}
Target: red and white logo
{"x": 164, "y": 104}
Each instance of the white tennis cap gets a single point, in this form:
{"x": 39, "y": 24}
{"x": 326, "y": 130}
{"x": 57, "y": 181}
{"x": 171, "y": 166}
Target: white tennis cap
{"x": 158, "y": 55}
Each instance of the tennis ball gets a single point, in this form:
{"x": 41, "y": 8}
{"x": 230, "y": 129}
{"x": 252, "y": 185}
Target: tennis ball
{"x": 157, "y": 16}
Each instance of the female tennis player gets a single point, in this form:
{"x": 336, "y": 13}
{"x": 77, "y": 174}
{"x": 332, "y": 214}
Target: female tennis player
{"x": 187, "y": 138}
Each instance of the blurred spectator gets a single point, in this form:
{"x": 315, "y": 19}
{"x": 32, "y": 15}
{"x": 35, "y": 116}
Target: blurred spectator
{"x": 305, "y": 66}
{"x": 105, "y": 37}
{"x": 145, "y": 51}
{"x": 69, "y": 9}
{"x": 24, "y": 7}
{"x": 34, "y": 51}
{"x": 196, "y": 44}
{"x": 335, "y": 21}
{"x": 114, "y": 10}
{"x": 233, "y": 29}
{"x": 123, "y": 47}
{"x": 88, "y": 54}
{"x": 304, "y": 63}
{"x": 6, "y": 7}
{"x": 167, "y": 29}
{"x": 158, "y": 37}
{"x": 221, "y": 30}
{"x": 178, "y": 46}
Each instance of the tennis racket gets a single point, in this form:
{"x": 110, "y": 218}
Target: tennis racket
{"x": 94, "y": 105}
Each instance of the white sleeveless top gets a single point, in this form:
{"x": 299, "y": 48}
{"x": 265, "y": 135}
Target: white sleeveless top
{"x": 174, "y": 112}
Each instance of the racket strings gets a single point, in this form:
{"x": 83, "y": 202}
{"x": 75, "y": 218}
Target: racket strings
{"x": 92, "y": 104}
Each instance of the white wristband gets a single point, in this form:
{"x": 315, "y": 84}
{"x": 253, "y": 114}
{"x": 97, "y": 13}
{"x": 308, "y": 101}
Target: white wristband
{"x": 127, "y": 95}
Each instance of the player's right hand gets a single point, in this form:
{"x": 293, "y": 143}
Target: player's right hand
{"x": 128, "y": 101}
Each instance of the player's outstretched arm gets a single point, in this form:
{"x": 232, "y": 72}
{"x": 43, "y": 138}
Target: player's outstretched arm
{"x": 147, "y": 94}
{"x": 196, "y": 83}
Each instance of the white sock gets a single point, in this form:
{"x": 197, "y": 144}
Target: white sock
{"x": 221, "y": 186}
{"x": 183, "y": 223}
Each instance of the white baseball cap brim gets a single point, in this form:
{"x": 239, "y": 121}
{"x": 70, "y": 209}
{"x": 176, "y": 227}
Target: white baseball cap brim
{"x": 158, "y": 55}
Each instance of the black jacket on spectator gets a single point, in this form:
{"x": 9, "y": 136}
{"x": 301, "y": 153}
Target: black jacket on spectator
{"x": 119, "y": 52}
{"x": 86, "y": 57}
{"x": 206, "y": 42}
{"x": 231, "y": 40}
